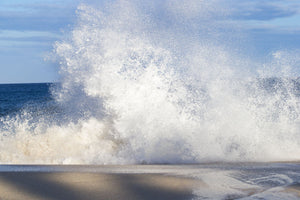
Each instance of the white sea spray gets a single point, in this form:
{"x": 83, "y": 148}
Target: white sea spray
{"x": 138, "y": 88}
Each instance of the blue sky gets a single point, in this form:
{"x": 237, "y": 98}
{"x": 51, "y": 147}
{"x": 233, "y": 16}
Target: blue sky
{"x": 28, "y": 29}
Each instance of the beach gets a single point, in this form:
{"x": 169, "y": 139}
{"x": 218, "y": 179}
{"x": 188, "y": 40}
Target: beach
{"x": 33, "y": 185}
{"x": 149, "y": 182}
{"x": 94, "y": 185}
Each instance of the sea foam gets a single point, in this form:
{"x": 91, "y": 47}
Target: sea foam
{"x": 160, "y": 82}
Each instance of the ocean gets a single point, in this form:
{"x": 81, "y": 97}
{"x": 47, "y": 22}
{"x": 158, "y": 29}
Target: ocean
{"x": 179, "y": 89}
{"x": 15, "y": 97}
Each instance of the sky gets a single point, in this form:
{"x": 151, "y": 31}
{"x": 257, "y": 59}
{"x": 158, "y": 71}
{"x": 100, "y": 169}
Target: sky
{"x": 29, "y": 28}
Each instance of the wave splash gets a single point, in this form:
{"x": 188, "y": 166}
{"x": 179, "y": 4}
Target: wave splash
{"x": 157, "y": 84}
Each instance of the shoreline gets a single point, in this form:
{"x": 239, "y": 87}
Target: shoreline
{"x": 148, "y": 182}
{"x": 131, "y": 167}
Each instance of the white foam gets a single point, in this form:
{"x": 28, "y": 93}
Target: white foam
{"x": 141, "y": 89}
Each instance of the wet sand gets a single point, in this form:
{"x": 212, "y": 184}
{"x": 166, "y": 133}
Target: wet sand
{"x": 94, "y": 185}
{"x": 149, "y": 182}
{"x": 295, "y": 189}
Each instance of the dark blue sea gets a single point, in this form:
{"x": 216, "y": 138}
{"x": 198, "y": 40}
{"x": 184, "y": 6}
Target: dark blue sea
{"x": 37, "y": 97}
{"x": 32, "y": 96}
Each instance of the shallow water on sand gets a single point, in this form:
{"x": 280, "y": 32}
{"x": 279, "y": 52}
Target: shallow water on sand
{"x": 204, "y": 181}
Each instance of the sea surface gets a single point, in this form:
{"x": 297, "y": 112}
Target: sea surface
{"x": 16, "y": 97}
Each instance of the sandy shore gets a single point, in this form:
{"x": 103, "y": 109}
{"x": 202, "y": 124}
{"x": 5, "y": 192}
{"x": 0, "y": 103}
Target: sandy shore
{"x": 295, "y": 189}
{"x": 150, "y": 182}
{"x": 94, "y": 185}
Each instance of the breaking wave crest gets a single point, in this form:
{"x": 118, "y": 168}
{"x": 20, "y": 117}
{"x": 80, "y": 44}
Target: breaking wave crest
{"x": 160, "y": 83}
